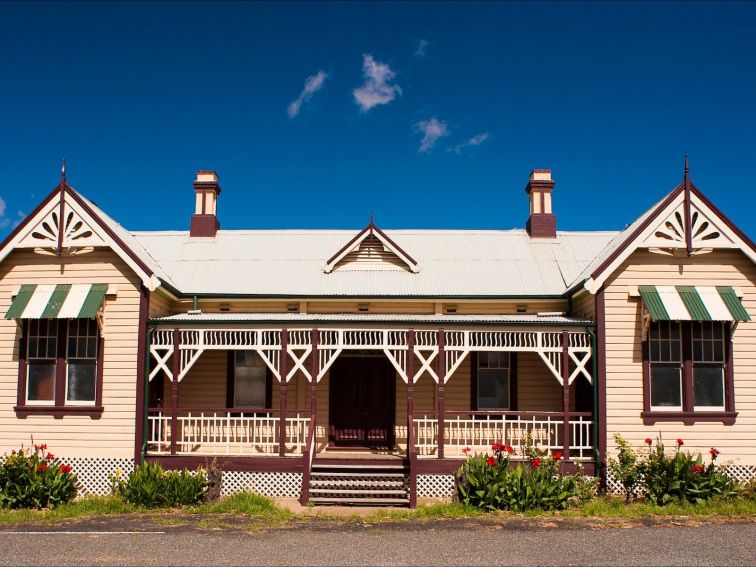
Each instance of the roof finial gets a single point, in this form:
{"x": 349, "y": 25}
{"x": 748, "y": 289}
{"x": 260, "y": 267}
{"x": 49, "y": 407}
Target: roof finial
{"x": 63, "y": 171}
{"x": 371, "y": 216}
{"x": 686, "y": 168}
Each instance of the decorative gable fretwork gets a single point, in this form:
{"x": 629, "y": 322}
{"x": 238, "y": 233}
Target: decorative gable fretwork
{"x": 371, "y": 249}
{"x": 394, "y": 343}
{"x": 704, "y": 231}
{"x": 74, "y": 232}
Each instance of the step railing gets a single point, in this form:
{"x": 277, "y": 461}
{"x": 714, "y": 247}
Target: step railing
{"x": 477, "y": 431}
{"x": 226, "y": 432}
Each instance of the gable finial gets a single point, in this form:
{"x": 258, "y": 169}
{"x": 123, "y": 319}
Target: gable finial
{"x": 371, "y": 216}
{"x": 63, "y": 171}
{"x": 687, "y": 171}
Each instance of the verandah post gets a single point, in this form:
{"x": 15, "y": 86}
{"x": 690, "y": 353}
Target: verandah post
{"x": 566, "y": 394}
{"x": 282, "y": 394}
{"x": 410, "y": 416}
{"x": 314, "y": 369}
{"x": 441, "y": 393}
{"x": 176, "y": 370}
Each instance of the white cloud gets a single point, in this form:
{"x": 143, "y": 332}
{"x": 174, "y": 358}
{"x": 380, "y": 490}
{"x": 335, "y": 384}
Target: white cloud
{"x": 376, "y": 88}
{"x": 312, "y": 85}
{"x": 476, "y": 140}
{"x": 4, "y": 220}
{"x": 422, "y": 48}
{"x": 433, "y": 131}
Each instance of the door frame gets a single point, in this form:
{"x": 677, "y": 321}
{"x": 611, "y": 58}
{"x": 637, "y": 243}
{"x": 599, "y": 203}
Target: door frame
{"x": 390, "y": 411}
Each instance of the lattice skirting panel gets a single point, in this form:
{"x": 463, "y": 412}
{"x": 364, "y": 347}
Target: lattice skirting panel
{"x": 272, "y": 484}
{"x": 435, "y": 485}
{"x": 94, "y": 472}
{"x": 741, "y": 473}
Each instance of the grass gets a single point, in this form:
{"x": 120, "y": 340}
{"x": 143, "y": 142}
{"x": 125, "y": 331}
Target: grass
{"x": 248, "y": 510}
{"x": 83, "y": 508}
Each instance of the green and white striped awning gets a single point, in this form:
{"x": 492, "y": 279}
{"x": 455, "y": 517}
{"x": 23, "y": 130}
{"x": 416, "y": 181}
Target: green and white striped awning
{"x": 61, "y": 301}
{"x": 693, "y": 303}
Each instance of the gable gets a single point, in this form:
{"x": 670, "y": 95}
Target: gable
{"x": 686, "y": 223}
{"x": 65, "y": 225}
{"x": 371, "y": 249}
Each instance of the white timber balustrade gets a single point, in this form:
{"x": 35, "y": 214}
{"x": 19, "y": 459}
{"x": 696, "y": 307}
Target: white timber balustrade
{"x": 479, "y": 430}
{"x": 221, "y": 432}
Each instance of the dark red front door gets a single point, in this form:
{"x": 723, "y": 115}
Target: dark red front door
{"x": 362, "y": 402}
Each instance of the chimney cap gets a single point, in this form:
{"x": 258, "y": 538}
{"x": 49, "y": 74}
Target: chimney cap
{"x": 207, "y": 176}
{"x": 540, "y": 175}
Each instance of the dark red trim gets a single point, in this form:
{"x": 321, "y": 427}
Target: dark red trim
{"x": 565, "y": 395}
{"x": 686, "y": 211}
{"x": 600, "y": 312}
{"x": 245, "y": 464}
{"x": 688, "y": 415}
{"x": 100, "y": 368}
{"x": 474, "y": 380}
{"x": 60, "y": 363}
{"x": 61, "y": 224}
{"x": 76, "y": 197}
{"x": 729, "y": 371}
{"x": 441, "y": 372}
{"x": 22, "y": 366}
{"x": 282, "y": 393}
{"x": 411, "y": 451}
{"x": 649, "y": 219}
{"x": 513, "y": 384}
{"x": 689, "y": 418}
{"x": 141, "y": 403}
{"x": 175, "y": 370}
{"x": 58, "y": 412}
{"x": 230, "y": 368}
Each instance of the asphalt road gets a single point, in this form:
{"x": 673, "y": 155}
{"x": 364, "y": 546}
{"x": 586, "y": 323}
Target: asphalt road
{"x": 441, "y": 543}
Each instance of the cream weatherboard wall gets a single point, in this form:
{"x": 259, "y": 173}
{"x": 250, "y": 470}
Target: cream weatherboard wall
{"x": 624, "y": 389}
{"x": 112, "y": 435}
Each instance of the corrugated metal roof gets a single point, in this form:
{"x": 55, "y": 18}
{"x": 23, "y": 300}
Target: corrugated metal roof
{"x": 453, "y": 263}
{"x": 370, "y": 318}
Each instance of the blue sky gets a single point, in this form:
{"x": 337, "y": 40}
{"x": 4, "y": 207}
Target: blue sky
{"x": 430, "y": 114}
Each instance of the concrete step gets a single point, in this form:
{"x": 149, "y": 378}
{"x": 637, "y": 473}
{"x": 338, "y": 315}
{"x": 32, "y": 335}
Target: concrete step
{"x": 360, "y": 501}
{"x": 357, "y": 492}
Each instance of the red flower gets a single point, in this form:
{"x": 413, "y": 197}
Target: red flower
{"x": 680, "y": 443}
{"x": 65, "y": 468}
{"x": 491, "y": 461}
{"x": 536, "y": 462}
{"x": 497, "y": 447}
{"x": 697, "y": 469}
{"x": 466, "y": 450}
{"x": 713, "y": 452}
{"x": 41, "y": 468}
{"x": 13, "y": 452}
{"x": 50, "y": 456}
{"x": 648, "y": 441}
{"x": 509, "y": 449}
{"x": 557, "y": 456}
{"x": 36, "y": 447}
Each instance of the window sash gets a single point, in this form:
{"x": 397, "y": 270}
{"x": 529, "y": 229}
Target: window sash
{"x": 720, "y": 385}
{"x": 249, "y": 367}
{"x": 493, "y": 365}
{"x": 659, "y": 368}
{"x": 30, "y": 381}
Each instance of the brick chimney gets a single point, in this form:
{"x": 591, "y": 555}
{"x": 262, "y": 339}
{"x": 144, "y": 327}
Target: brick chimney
{"x": 542, "y": 222}
{"x": 206, "y": 190}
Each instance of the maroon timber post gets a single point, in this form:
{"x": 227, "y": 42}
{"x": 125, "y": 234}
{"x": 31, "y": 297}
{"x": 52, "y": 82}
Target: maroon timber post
{"x": 307, "y": 455}
{"x": 411, "y": 418}
{"x": 282, "y": 394}
{"x": 566, "y": 393}
{"x": 176, "y": 370}
{"x": 441, "y": 372}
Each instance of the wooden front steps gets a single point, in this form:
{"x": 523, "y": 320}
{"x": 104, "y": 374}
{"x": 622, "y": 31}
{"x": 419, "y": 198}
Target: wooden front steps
{"x": 371, "y": 483}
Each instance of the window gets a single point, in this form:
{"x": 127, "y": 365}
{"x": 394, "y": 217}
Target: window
{"x": 493, "y": 381}
{"x": 60, "y": 371}
{"x": 250, "y": 386}
{"x": 688, "y": 372}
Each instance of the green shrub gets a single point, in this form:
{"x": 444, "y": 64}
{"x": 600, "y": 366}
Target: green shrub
{"x": 663, "y": 478}
{"x": 488, "y": 482}
{"x": 150, "y": 486}
{"x": 35, "y": 478}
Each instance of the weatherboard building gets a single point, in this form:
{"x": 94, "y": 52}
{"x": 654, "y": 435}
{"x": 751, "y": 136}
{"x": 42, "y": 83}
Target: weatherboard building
{"x": 338, "y": 366}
